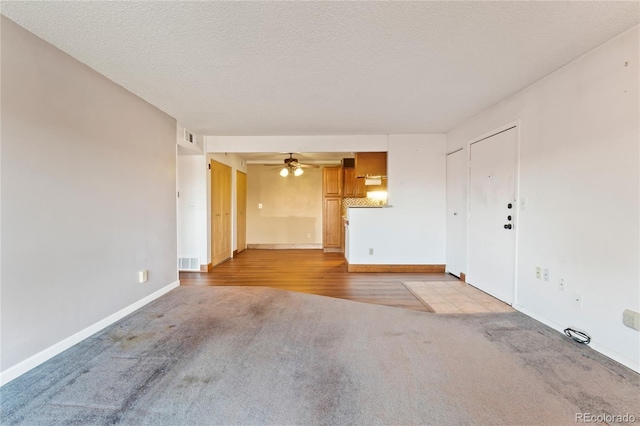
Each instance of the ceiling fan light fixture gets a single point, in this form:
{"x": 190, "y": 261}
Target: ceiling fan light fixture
{"x": 298, "y": 171}
{"x": 284, "y": 172}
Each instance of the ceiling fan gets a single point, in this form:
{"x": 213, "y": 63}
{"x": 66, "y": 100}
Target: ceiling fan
{"x": 293, "y": 167}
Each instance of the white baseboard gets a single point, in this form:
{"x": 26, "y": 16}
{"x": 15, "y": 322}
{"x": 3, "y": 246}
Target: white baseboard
{"x": 627, "y": 362}
{"x": 19, "y": 369}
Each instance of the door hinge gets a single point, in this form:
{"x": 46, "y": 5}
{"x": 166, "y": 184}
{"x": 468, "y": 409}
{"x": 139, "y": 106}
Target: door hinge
{"x": 209, "y": 166}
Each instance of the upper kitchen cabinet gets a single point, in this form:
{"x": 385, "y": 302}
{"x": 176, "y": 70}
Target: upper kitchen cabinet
{"x": 332, "y": 181}
{"x": 353, "y": 187}
{"x": 371, "y": 164}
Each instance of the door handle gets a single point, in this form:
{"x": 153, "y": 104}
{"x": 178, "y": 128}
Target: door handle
{"x": 508, "y": 226}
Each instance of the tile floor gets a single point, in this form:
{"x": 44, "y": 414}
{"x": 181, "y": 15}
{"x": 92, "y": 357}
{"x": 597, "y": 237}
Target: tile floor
{"x": 455, "y": 297}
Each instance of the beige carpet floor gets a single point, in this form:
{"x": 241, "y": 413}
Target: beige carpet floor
{"x": 238, "y": 355}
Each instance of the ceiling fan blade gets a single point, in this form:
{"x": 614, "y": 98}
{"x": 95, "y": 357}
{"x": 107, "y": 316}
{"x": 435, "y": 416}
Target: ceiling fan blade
{"x": 308, "y": 166}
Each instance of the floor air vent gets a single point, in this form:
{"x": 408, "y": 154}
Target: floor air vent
{"x": 188, "y": 264}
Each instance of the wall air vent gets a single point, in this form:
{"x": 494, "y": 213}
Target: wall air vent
{"x": 188, "y": 264}
{"x": 188, "y": 136}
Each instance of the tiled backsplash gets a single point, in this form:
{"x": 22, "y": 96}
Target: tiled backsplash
{"x": 347, "y": 202}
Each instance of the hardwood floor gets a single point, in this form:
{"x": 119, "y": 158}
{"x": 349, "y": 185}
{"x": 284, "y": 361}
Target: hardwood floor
{"x": 313, "y": 272}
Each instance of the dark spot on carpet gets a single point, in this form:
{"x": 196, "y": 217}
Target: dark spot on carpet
{"x": 142, "y": 388}
{"x": 190, "y": 379}
{"x": 258, "y": 310}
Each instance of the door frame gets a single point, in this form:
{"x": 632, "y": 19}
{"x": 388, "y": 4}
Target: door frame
{"x": 237, "y": 211}
{"x": 463, "y": 241}
{"x": 518, "y": 126}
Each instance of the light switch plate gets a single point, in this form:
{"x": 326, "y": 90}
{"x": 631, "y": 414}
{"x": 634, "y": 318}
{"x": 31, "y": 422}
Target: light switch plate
{"x": 631, "y": 319}
{"x": 562, "y": 284}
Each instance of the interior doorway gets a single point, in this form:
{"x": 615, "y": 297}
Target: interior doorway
{"x": 492, "y": 214}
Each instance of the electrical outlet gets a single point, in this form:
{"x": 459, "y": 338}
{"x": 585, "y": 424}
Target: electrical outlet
{"x": 631, "y": 319}
{"x": 370, "y": 251}
{"x": 143, "y": 276}
{"x": 562, "y": 284}
{"x": 308, "y": 235}
{"x": 545, "y": 274}
{"x": 538, "y": 272}
{"x": 577, "y": 300}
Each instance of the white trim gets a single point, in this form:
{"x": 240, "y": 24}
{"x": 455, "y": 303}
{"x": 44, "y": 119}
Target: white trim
{"x": 517, "y": 222}
{"x": 627, "y": 362}
{"x": 495, "y": 131}
{"x": 19, "y": 369}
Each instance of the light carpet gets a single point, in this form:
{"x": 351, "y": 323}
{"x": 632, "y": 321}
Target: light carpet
{"x": 246, "y": 355}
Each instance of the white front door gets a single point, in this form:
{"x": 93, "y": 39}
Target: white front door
{"x": 456, "y": 211}
{"x": 492, "y": 209}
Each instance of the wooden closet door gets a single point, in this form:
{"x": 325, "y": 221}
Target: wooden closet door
{"x": 220, "y": 212}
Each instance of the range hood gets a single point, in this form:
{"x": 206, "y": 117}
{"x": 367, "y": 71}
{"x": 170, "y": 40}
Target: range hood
{"x": 368, "y": 181}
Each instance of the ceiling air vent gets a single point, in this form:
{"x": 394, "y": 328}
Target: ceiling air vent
{"x": 188, "y": 136}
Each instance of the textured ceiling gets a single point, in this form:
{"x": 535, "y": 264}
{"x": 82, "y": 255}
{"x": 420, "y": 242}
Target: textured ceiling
{"x": 293, "y": 68}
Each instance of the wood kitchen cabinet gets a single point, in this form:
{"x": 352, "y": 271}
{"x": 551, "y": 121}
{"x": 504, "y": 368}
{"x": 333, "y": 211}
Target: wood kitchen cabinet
{"x": 332, "y": 181}
{"x": 353, "y": 187}
{"x": 332, "y": 208}
{"x": 332, "y": 223}
{"x": 371, "y": 164}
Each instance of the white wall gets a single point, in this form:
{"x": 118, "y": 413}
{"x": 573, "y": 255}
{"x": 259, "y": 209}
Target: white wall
{"x": 579, "y": 172}
{"x": 88, "y": 200}
{"x": 326, "y": 143}
{"x": 189, "y": 148}
{"x": 192, "y": 207}
{"x": 412, "y": 231}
